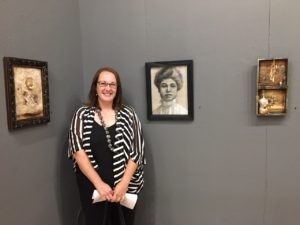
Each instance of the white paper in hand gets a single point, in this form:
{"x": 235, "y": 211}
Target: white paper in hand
{"x": 96, "y": 197}
{"x": 129, "y": 200}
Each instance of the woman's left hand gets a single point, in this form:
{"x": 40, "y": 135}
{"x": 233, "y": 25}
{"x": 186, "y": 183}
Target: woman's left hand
{"x": 121, "y": 188}
{"x": 120, "y": 191}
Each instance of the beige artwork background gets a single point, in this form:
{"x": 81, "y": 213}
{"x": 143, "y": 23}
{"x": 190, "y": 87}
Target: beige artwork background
{"x": 182, "y": 96}
{"x": 28, "y": 92}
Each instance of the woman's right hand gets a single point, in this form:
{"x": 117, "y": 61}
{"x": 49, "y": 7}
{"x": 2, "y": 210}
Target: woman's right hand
{"x": 105, "y": 191}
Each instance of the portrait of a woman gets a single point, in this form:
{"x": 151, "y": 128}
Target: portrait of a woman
{"x": 169, "y": 81}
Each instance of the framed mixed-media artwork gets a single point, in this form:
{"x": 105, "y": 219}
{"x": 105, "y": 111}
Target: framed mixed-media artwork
{"x": 272, "y": 87}
{"x": 27, "y": 93}
{"x": 169, "y": 87}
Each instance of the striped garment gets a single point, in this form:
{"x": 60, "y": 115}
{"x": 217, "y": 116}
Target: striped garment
{"x": 129, "y": 143}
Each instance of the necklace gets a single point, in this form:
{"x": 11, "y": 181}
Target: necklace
{"x": 107, "y": 134}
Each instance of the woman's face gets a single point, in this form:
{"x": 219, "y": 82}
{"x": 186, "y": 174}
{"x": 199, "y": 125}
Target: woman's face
{"x": 168, "y": 90}
{"x": 106, "y": 87}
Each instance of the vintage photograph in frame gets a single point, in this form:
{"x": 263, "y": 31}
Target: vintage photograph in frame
{"x": 169, "y": 86}
{"x": 27, "y": 92}
{"x": 272, "y": 87}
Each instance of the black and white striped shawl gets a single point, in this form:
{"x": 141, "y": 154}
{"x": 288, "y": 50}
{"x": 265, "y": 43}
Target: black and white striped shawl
{"x": 129, "y": 143}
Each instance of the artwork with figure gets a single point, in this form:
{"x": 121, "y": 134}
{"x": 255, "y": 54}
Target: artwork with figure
{"x": 169, "y": 82}
{"x": 263, "y": 103}
{"x": 271, "y": 87}
{"x": 272, "y": 101}
{"x": 170, "y": 90}
{"x": 28, "y": 92}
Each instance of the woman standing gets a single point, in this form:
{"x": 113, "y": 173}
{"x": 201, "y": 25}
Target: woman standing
{"x": 107, "y": 148}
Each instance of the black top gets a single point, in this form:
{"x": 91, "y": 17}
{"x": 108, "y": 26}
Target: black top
{"x": 129, "y": 143}
{"x": 103, "y": 155}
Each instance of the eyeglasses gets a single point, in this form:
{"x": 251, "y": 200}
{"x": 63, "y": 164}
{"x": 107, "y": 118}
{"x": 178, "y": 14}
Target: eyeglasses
{"x": 104, "y": 84}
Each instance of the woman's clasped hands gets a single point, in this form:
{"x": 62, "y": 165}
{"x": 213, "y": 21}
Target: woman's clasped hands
{"x": 110, "y": 195}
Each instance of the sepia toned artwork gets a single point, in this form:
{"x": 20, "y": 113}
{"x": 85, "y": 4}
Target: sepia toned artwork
{"x": 272, "y": 101}
{"x": 169, "y": 87}
{"x": 272, "y": 77}
{"x": 273, "y": 72}
{"x": 28, "y": 92}
{"x": 27, "y": 96}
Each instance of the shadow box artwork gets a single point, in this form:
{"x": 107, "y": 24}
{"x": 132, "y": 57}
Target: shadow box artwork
{"x": 271, "y": 93}
{"x": 27, "y": 94}
{"x": 169, "y": 87}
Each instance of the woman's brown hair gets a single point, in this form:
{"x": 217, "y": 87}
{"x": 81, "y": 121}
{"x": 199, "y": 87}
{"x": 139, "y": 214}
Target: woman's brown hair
{"x": 93, "y": 98}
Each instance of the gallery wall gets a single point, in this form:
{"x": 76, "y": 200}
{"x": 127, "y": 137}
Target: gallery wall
{"x": 37, "y": 182}
{"x": 227, "y": 166}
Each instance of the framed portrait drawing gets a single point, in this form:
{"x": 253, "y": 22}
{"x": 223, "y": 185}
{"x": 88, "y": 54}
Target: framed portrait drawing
{"x": 169, "y": 87}
{"x": 27, "y": 93}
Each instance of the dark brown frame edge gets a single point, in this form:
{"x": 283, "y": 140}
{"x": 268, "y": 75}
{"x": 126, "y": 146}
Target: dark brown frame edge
{"x": 9, "y": 63}
{"x": 190, "y": 91}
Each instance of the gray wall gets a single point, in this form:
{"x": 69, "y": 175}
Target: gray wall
{"x": 37, "y": 183}
{"x": 227, "y": 166}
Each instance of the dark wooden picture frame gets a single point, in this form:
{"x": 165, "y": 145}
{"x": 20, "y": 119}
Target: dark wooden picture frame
{"x": 272, "y": 87}
{"x": 27, "y": 92}
{"x": 169, "y": 87}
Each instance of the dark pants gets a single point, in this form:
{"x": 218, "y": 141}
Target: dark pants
{"x": 95, "y": 213}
